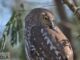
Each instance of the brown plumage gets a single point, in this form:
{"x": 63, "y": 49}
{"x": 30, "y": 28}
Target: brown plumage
{"x": 43, "y": 40}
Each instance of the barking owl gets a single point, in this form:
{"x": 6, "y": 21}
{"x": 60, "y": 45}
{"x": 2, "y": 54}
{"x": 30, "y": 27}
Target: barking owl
{"x": 43, "y": 39}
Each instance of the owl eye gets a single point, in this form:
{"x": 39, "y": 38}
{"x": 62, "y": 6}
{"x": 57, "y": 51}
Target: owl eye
{"x": 46, "y": 18}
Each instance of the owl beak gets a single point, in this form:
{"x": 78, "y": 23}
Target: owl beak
{"x": 53, "y": 26}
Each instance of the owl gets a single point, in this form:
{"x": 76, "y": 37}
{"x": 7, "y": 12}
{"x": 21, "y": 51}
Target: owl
{"x": 43, "y": 39}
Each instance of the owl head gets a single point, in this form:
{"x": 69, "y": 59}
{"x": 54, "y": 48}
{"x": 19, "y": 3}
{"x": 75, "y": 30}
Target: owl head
{"x": 48, "y": 19}
{"x": 41, "y": 16}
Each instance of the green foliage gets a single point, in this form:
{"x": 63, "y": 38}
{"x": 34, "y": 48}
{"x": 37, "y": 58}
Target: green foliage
{"x": 13, "y": 36}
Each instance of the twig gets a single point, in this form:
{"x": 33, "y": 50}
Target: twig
{"x": 73, "y": 7}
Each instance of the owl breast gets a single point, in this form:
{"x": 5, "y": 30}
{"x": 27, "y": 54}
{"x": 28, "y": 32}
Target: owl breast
{"x": 40, "y": 45}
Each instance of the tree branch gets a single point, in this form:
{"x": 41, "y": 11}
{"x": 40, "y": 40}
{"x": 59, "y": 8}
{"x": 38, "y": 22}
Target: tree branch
{"x": 73, "y": 7}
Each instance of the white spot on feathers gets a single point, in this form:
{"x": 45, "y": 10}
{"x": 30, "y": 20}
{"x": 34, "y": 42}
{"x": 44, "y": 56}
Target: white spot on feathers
{"x": 44, "y": 34}
{"x": 41, "y": 58}
{"x": 56, "y": 52}
{"x": 34, "y": 38}
{"x": 46, "y": 38}
{"x": 41, "y": 30}
{"x": 59, "y": 57}
{"x": 49, "y": 43}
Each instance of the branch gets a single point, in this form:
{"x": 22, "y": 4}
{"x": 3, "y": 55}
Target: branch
{"x": 73, "y": 7}
{"x": 64, "y": 20}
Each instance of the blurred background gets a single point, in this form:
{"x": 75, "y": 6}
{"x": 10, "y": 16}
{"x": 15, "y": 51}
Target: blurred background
{"x": 12, "y": 16}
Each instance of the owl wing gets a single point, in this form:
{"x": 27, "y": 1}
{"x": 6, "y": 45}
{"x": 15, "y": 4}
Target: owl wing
{"x": 40, "y": 45}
